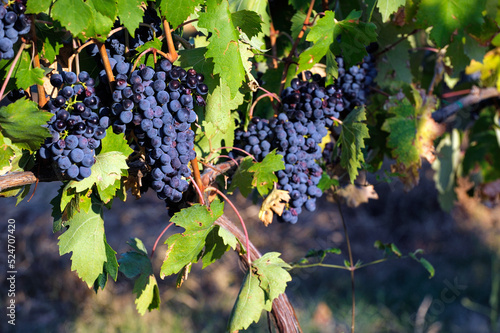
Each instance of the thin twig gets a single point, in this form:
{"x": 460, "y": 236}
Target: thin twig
{"x": 267, "y": 94}
{"x": 391, "y": 46}
{"x": 352, "y": 268}
{"x": 247, "y": 240}
{"x": 185, "y": 23}
{"x": 42, "y": 99}
{"x": 158, "y": 238}
{"x": 11, "y": 69}
{"x": 238, "y": 149}
{"x": 202, "y": 201}
{"x": 294, "y": 47}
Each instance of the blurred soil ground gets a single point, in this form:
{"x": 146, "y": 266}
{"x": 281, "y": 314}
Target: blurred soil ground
{"x": 394, "y": 296}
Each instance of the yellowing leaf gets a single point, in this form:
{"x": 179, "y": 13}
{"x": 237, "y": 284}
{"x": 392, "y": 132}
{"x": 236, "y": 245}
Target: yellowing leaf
{"x": 273, "y": 202}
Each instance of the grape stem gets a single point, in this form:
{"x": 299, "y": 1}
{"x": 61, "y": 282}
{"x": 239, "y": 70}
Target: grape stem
{"x": 228, "y": 157}
{"x": 42, "y": 100}
{"x": 70, "y": 59}
{"x": 288, "y": 60}
{"x": 172, "y": 53}
{"x": 151, "y": 49}
{"x": 197, "y": 175}
{"x": 352, "y": 267}
{"x": 158, "y": 239}
{"x": 11, "y": 69}
{"x": 107, "y": 65}
{"x": 393, "y": 45}
{"x": 235, "y": 148}
{"x": 247, "y": 240}
{"x": 273, "y": 36}
{"x": 202, "y": 200}
{"x": 267, "y": 94}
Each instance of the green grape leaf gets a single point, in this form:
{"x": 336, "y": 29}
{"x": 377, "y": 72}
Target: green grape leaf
{"x": 74, "y": 15}
{"x": 424, "y": 262}
{"x": 243, "y": 178}
{"x": 228, "y": 238}
{"x": 351, "y": 141}
{"x": 101, "y": 23}
{"x": 136, "y": 264}
{"x": 273, "y": 276}
{"x": 323, "y": 36}
{"x": 326, "y": 182}
{"x": 445, "y": 167}
{"x": 223, "y": 47}
{"x": 448, "y": 16}
{"x": 264, "y": 177}
{"x": 215, "y": 247}
{"x": 130, "y": 14}
{"x": 249, "y": 304}
{"x": 219, "y": 106}
{"x": 107, "y": 8}
{"x": 177, "y": 11}
{"x": 110, "y": 268}
{"x": 85, "y": 238}
{"x": 297, "y": 22}
{"x": 26, "y": 77}
{"x": 209, "y": 137}
{"x": 258, "y": 6}
{"x": 6, "y": 153}
{"x": 248, "y": 21}
{"x": 22, "y": 122}
{"x": 110, "y": 165}
{"x": 38, "y": 6}
{"x": 49, "y": 37}
{"x": 185, "y": 248}
{"x": 387, "y": 7}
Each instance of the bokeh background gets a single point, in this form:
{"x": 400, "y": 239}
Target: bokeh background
{"x": 394, "y": 296}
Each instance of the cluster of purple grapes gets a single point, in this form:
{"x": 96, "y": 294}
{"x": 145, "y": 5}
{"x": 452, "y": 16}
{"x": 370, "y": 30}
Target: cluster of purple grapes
{"x": 77, "y": 127}
{"x": 296, "y": 134}
{"x": 356, "y": 81}
{"x": 157, "y": 105}
{"x": 13, "y": 23}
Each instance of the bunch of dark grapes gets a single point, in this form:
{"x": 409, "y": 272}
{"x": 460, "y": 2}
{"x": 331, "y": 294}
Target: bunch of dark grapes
{"x": 355, "y": 82}
{"x": 296, "y": 134}
{"x": 157, "y": 106}
{"x": 77, "y": 127}
{"x": 13, "y": 23}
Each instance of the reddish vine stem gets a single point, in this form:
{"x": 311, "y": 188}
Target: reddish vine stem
{"x": 267, "y": 94}
{"x": 238, "y": 149}
{"x": 172, "y": 53}
{"x": 107, "y": 65}
{"x": 456, "y": 93}
{"x": 294, "y": 47}
{"x": 202, "y": 201}
{"x": 42, "y": 100}
{"x": 228, "y": 157}
{"x": 247, "y": 240}
{"x": 11, "y": 69}
{"x": 159, "y": 237}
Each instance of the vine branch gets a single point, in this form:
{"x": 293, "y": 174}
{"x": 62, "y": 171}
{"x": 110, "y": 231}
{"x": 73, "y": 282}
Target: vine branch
{"x": 476, "y": 95}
